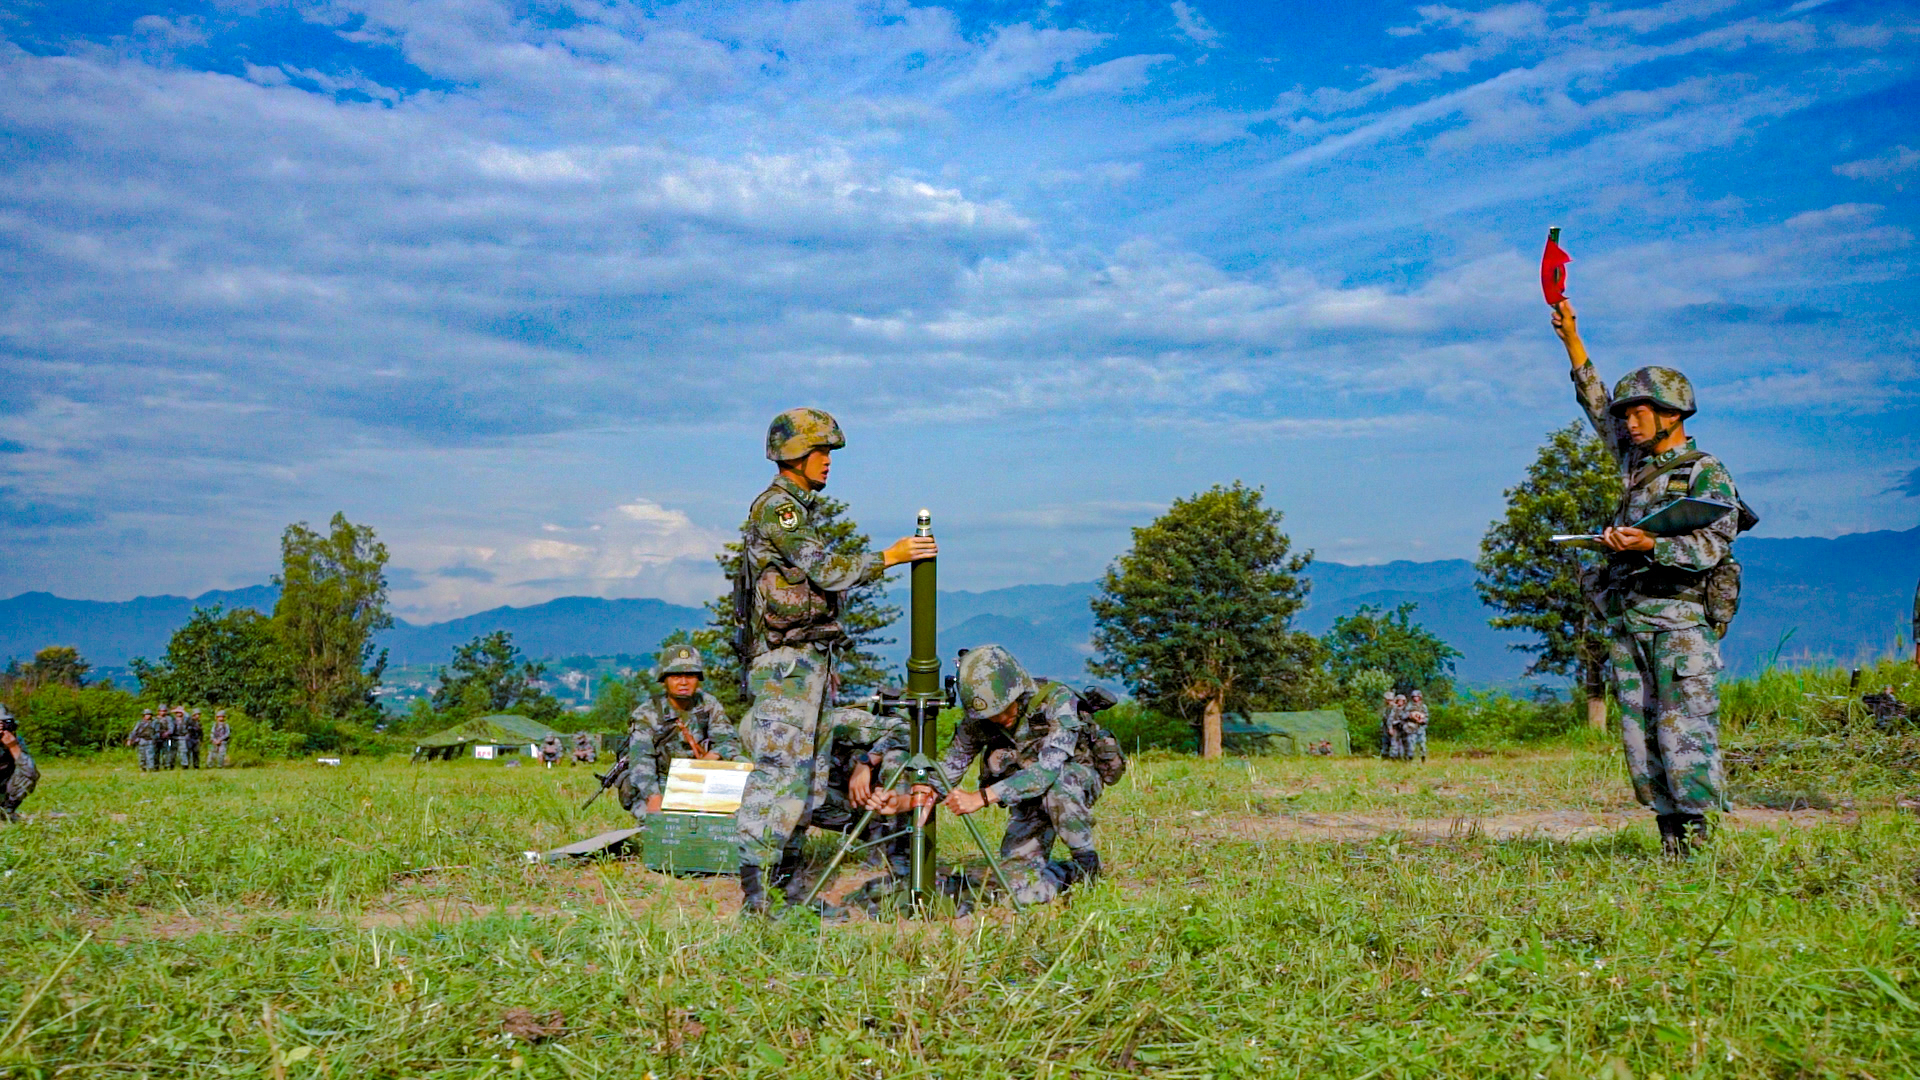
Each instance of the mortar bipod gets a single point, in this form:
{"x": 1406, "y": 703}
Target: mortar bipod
{"x": 921, "y": 771}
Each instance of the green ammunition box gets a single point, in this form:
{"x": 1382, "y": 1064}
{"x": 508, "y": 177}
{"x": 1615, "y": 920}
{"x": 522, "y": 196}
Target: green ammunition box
{"x": 691, "y": 844}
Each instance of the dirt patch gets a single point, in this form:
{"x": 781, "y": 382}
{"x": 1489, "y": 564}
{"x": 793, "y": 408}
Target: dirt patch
{"x": 1563, "y": 826}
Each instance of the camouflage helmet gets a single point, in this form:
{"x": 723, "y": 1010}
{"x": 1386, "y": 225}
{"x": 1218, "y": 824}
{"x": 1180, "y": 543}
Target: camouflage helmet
{"x": 1660, "y": 387}
{"x": 795, "y": 432}
{"x": 682, "y": 660}
{"x": 990, "y": 680}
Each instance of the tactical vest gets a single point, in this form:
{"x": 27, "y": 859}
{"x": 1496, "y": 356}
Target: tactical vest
{"x": 1633, "y": 573}
{"x": 788, "y": 608}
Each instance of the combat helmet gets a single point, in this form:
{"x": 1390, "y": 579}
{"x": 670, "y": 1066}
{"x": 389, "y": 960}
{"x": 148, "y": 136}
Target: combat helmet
{"x": 1660, "y": 387}
{"x": 795, "y": 432}
{"x": 682, "y": 660}
{"x": 991, "y": 679}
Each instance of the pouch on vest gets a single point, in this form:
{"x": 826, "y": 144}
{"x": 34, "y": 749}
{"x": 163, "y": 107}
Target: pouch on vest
{"x": 793, "y": 608}
{"x": 1103, "y": 747}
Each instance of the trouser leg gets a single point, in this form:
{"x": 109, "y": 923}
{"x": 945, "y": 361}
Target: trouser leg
{"x": 779, "y": 736}
{"x": 1064, "y": 812}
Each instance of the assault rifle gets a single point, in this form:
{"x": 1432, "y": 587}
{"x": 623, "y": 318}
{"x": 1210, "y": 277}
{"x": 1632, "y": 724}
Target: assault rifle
{"x": 608, "y": 779}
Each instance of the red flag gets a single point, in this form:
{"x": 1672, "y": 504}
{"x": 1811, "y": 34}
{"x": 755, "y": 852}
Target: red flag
{"x": 1553, "y": 269}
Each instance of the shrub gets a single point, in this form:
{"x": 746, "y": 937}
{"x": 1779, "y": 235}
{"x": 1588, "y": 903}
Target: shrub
{"x": 57, "y": 720}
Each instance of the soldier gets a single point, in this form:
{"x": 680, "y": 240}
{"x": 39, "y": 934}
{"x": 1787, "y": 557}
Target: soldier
{"x": 190, "y": 741}
{"x": 163, "y": 733}
{"x": 141, "y": 739}
{"x": 1036, "y": 750}
{"x": 1386, "y": 723}
{"x": 687, "y": 723}
{"x": 582, "y": 748}
{"x": 863, "y": 747}
{"x": 550, "y": 750}
{"x": 1657, "y": 592}
{"x": 790, "y": 586}
{"x": 221, "y": 734}
{"x": 1414, "y": 744}
{"x": 18, "y": 773}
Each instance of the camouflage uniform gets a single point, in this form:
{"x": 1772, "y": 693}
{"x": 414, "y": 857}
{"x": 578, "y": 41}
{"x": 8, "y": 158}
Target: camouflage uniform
{"x": 796, "y": 584}
{"x": 164, "y": 745}
{"x": 654, "y": 740}
{"x": 141, "y": 738}
{"x": 1665, "y": 656}
{"x": 18, "y": 774}
{"x": 190, "y": 734}
{"x": 218, "y": 739}
{"x": 550, "y": 750}
{"x": 1040, "y": 769}
{"x": 582, "y": 748}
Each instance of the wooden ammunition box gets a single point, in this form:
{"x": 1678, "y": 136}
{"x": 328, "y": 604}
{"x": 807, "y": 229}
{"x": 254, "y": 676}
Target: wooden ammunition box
{"x": 691, "y": 844}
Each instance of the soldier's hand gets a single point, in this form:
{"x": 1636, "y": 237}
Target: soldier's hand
{"x": 910, "y": 549}
{"x": 1626, "y": 538}
{"x": 860, "y": 784}
{"x": 887, "y": 802}
{"x": 653, "y": 804}
{"x": 1565, "y": 322}
{"x": 966, "y": 802}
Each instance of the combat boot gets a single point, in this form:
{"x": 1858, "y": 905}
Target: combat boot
{"x": 753, "y": 895}
{"x": 1089, "y": 864}
{"x": 1670, "y": 838}
{"x": 786, "y": 873}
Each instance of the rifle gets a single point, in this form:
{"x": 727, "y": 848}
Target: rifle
{"x": 608, "y": 779}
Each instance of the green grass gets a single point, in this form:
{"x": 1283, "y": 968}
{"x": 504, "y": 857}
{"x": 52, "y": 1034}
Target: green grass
{"x": 272, "y": 922}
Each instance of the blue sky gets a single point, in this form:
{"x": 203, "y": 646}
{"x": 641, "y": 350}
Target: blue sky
{"x": 520, "y": 283}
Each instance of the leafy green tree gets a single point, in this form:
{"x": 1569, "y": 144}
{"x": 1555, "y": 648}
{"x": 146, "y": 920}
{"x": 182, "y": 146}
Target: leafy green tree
{"x": 333, "y": 599}
{"x": 1371, "y": 639}
{"x": 55, "y": 665}
{"x": 1571, "y": 487}
{"x": 226, "y": 659}
{"x": 864, "y": 614}
{"x": 489, "y": 676}
{"x": 58, "y": 719}
{"x": 1196, "y": 619}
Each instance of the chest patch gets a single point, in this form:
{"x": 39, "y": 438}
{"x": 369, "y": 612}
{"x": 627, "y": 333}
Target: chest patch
{"x": 788, "y": 517}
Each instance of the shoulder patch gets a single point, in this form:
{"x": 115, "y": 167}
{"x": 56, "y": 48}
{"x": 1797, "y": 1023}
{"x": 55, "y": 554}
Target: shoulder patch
{"x": 788, "y": 516}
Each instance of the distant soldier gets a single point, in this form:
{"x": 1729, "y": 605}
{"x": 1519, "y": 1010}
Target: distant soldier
{"x": 190, "y": 737}
{"x": 790, "y": 591}
{"x": 1388, "y": 713}
{"x": 687, "y": 722}
{"x": 550, "y": 750}
{"x": 168, "y": 722}
{"x": 18, "y": 773}
{"x": 1036, "y": 751}
{"x": 582, "y": 748}
{"x": 218, "y": 737}
{"x": 1415, "y": 743}
{"x": 1666, "y": 598}
{"x": 142, "y": 737}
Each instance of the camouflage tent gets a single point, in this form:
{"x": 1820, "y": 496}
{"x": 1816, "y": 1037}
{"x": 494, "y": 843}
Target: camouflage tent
{"x": 1299, "y": 732}
{"x": 500, "y": 730}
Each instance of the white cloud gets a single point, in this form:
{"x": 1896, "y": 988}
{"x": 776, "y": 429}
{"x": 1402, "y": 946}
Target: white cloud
{"x": 1195, "y": 26}
{"x": 1119, "y": 76}
{"x": 1895, "y": 161}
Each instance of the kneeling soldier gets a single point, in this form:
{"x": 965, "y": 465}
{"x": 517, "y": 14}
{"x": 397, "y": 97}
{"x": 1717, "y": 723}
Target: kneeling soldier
{"x": 18, "y": 773}
{"x": 1661, "y": 594}
{"x": 1037, "y": 752}
{"x": 688, "y": 723}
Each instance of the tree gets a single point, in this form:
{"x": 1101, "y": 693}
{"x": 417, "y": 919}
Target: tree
{"x": 333, "y": 599}
{"x": 489, "y": 676}
{"x": 1571, "y": 487}
{"x": 1410, "y": 655}
{"x": 227, "y": 659}
{"x": 1197, "y": 617}
{"x": 55, "y": 665}
{"x": 615, "y": 698}
{"x": 864, "y": 614}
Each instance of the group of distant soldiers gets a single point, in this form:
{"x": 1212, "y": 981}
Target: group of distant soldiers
{"x": 585, "y": 749}
{"x": 1403, "y": 726}
{"x": 170, "y": 737}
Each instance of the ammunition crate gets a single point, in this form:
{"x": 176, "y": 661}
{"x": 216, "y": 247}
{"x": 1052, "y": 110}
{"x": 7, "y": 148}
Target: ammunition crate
{"x": 691, "y": 844}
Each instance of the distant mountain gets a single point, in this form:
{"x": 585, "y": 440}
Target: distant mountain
{"x": 1845, "y": 600}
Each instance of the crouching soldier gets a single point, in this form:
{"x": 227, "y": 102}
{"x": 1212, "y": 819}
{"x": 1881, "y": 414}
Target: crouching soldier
{"x": 687, "y": 723}
{"x": 1037, "y": 752}
{"x": 1666, "y": 599}
{"x": 864, "y": 748}
{"x": 550, "y": 750}
{"x": 18, "y": 773}
{"x": 582, "y": 748}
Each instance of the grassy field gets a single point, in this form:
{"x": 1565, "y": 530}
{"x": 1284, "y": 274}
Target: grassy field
{"x": 1494, "y": 912}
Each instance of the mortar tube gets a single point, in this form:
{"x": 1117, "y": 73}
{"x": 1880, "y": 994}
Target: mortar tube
{"x": 923, "y": 700}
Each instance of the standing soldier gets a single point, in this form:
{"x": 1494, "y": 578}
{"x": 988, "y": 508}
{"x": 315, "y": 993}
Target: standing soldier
{"x": 219, "y": 737}
{"x": 689, "y": 723}
{"x": 141, "y": 739}
{"x": 163, "y": 727}
{"x": 1036, "y": 750}
{"x": 790, "y": 586}
{"x": 1415, "y": 743}
{"x": 190, "y": 741}
{"x": 1666, "y": 598}
{"x": 18, "y": 773}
